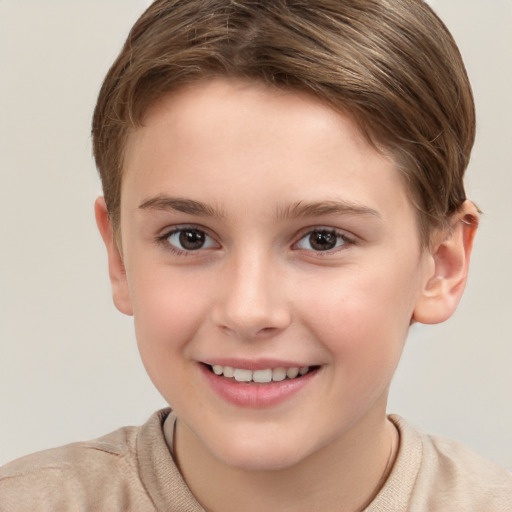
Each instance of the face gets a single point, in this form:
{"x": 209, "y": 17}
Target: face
{"x": 263, "y": 238}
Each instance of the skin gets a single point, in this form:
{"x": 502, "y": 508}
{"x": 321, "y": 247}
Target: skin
{"x": 258, "y": 289}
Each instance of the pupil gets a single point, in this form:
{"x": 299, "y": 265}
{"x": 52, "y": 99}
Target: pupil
{"x": 323, "y": 240}
{"x": 192, "y": 239}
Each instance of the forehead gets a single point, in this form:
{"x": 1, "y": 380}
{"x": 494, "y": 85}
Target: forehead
{"x": 248, "y": 106}
{"x": 219, "y": 139}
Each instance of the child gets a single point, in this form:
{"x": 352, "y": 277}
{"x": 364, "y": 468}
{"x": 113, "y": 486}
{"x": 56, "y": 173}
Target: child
{"x": 283, "y": 197}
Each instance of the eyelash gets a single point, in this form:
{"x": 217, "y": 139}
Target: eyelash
{"x": 340, "y": 236}
{"x": 164, "y": 240}
{"x": 346, "y": 241}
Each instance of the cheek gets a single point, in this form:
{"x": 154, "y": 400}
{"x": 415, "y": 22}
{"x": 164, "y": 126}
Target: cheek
{"x": 167, "y": 317}
{"x": 363, "y": 317}
{"x": 168, "y": 311}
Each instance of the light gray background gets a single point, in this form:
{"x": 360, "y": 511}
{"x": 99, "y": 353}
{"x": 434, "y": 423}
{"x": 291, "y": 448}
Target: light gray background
{"x": 69, "y": 367}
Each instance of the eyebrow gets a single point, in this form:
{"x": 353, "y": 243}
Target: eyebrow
{"x": 180, "y": 204}
{"x": 295, "y": 210}
{"x": 319, "y": 208}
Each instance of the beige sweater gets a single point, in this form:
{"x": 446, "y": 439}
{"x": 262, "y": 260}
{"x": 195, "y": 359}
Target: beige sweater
{"x": 132, "y": 470}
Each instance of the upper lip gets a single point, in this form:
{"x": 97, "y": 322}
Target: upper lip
{"x": 254, "y": 364}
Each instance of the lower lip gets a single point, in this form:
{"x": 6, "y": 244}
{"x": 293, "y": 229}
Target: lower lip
{"x": 255, "y": 395}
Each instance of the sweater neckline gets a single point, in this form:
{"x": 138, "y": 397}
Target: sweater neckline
{"x": 169, "y": 492}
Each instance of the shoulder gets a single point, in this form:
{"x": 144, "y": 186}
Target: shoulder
{"x": 460, "y": 468}
{"x": 451, "y": 475}
{"x": 72, "y": 476}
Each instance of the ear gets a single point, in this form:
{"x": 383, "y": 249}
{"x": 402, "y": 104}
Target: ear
{"x": 449, "y": 256}
{"x": 117, "y": 272}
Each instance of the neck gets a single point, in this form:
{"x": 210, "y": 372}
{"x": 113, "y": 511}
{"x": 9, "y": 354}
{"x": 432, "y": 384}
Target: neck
{"x": 344, "y": 476}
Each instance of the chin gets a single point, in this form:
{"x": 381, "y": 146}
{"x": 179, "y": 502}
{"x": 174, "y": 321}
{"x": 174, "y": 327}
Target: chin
{"x": 258, "y": 455}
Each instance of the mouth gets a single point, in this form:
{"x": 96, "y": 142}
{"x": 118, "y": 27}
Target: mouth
{"x": 261, "y": 376}
{"x": 259, "y": 384}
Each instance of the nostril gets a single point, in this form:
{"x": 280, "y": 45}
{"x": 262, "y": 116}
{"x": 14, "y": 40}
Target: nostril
{"x": 248, "y": 315}
{"x": 248, "y": 333}
{"x": 268, "y": 330}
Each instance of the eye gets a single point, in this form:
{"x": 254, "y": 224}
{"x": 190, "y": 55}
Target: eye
{"x": 322, "y": 240}
{"x": 189, "y": 239}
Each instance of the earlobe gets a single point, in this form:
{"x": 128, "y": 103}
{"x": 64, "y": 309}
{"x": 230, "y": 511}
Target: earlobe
{"x": 450, "y": 255}
{"x": 117, "y": 272}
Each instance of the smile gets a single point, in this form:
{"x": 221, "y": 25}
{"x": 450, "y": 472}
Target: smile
{"x": 260, "y": 376}
{"x": 258, "y": 387}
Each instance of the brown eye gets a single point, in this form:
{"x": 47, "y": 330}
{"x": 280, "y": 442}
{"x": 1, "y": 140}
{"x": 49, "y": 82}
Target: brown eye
{"x": 322, "y": 240}
{"x": 190, "y": 239}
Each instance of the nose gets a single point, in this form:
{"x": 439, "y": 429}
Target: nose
{"x": 251, "y": 302}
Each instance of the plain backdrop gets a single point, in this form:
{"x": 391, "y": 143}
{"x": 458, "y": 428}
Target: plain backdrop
{"x": 69, "y": 366}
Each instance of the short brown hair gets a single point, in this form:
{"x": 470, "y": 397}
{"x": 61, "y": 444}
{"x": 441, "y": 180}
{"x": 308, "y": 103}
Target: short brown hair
{"x": 391, "y": 64}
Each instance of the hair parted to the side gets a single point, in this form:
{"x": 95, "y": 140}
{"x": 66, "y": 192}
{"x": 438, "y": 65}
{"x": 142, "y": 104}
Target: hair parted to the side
{"x": 391, "y": 64}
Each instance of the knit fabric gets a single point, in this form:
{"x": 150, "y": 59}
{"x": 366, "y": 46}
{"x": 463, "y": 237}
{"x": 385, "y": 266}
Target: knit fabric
{"x": 132, "y": 470}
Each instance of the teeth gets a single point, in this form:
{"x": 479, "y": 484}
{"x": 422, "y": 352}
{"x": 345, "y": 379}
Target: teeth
{"x": 243, "y": 375}
{"x": 228, "y": 371}
{"x": 260, "y": 376}
{"x": 278, "y": 374}
{"x": 291, "y": 373}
